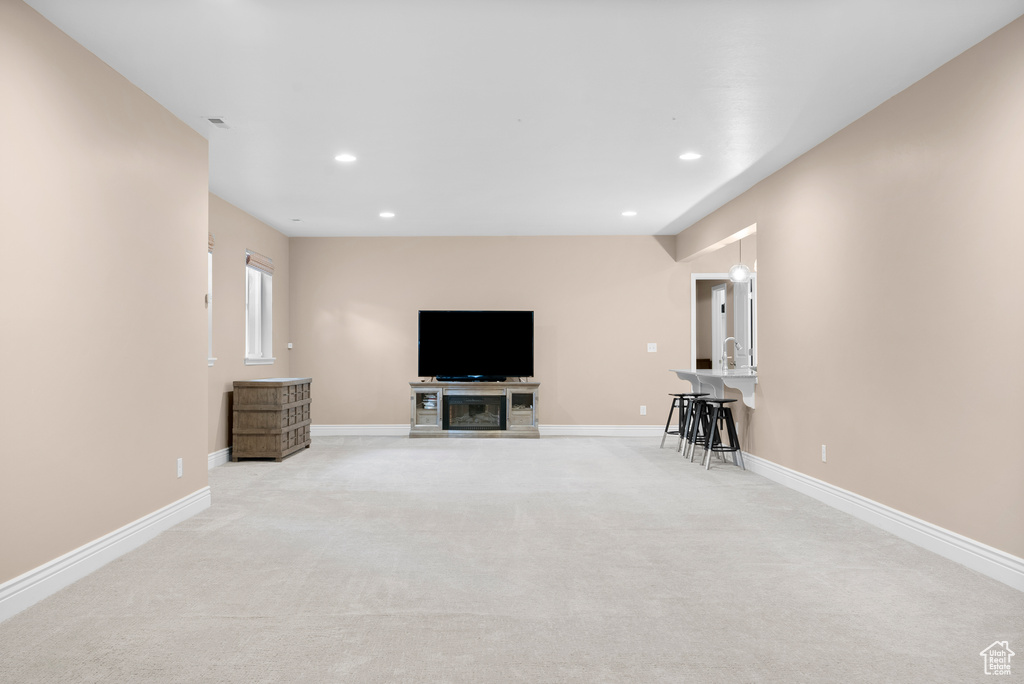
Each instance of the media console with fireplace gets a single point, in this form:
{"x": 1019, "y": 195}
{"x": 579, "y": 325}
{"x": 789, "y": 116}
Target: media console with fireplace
{"x": 474, "y": 409}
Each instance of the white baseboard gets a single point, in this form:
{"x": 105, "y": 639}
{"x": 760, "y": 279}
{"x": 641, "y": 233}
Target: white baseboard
{"x": 601, "y": 430}
{"x": 392, "y": 430}
{"x": 402, "y": 430}
{"x": 218, "y": 458}
{"x": 998, "y": 565}
{"x": 25, "y": 590}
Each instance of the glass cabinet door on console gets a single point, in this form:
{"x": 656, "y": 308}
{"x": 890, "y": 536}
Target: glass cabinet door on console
{"x": 426, "y": 409}
{"x": 522, "y": 409}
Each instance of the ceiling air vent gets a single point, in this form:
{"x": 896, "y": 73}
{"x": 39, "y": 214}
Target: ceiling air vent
{"x": 217, "y": 121}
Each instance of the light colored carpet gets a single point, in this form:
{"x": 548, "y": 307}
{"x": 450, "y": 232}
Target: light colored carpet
{"x": 554, "y": 560}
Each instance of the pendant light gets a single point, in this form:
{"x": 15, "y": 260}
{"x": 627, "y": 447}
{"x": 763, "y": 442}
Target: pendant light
{"x": 739, "y": 273}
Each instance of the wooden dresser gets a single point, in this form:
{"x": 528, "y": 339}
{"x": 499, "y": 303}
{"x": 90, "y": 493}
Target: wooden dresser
{"x": 271, "y": 418}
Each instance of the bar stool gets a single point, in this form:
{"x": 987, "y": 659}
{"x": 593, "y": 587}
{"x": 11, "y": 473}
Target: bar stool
{"x": 682, "y": 401}
{"x": 676, "y": 404}
{"x": 697, "y": 420}
{"x": 688, "y": 418}
{"x": 719, "y": 415}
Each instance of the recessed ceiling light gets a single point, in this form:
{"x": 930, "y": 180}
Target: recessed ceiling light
{"x": 629, "y": 213}
{"x": 387, "y": 214}
{"x": 689, "y": 156}
{"x": 345, "y": 157}
{"x": 297, "y": 220}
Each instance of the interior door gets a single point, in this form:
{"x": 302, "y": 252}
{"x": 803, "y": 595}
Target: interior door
{"x": 719, "y": 318}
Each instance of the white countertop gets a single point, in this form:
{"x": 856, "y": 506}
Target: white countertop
{"x": 707, "y": 380}
{"x": 731, "y": 373}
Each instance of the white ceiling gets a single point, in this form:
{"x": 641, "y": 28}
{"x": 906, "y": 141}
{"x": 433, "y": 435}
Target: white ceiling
{"x": 514, "y": 117}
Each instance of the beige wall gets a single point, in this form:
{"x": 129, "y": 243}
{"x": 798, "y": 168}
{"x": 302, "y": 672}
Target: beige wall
{"x": 598, "y": 301}
{"x": 103, "y": 201}
{"x": 900, "y": 234}
{"x": 235, "y": 232}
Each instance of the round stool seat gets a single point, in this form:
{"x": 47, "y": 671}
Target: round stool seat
{"x": 719, "y": 401}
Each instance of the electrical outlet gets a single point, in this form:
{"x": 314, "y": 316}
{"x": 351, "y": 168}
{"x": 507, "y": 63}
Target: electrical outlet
{"x": 179, "y": 467}
{"x": 643, "y": 410}
{"x": 652, "y": 346}
{"x": 823, "y": 459}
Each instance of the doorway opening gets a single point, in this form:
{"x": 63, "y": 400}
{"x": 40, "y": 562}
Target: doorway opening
{"x": 720, "y": 309}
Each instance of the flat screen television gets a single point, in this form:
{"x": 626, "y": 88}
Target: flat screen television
{"x": 475, "y": 345}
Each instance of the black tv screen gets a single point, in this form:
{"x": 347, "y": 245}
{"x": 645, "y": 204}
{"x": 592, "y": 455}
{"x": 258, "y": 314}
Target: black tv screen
{"x": 475, "y": 345}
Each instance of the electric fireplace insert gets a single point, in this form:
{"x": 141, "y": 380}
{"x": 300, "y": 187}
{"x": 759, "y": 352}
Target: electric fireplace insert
{"x": 473, "y": 412}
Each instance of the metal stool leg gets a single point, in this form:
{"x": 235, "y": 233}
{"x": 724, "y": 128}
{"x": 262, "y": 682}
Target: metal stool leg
{"x": 712, "y": 436}
{"x": 688, "y": 427}
{"x": 675, "y": 403}
{"x": 684, "y": 406}
{"x": 734, "y": 440}
{"x": 698, "y": 429}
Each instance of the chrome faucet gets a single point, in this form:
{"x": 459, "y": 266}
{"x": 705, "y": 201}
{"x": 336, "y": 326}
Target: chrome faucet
{"x": 725, "y": 353}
